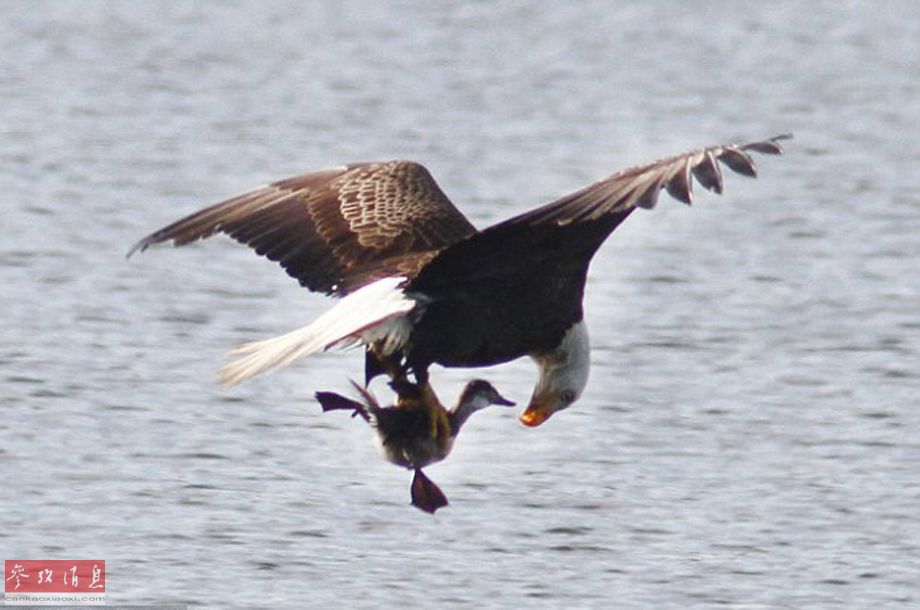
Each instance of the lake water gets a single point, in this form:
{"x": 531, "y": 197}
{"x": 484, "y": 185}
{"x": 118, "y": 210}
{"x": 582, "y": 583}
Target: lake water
{"x": 749, "y": 437}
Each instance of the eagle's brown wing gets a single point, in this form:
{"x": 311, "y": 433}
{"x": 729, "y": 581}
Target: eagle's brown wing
{"x": 338, "y": 229}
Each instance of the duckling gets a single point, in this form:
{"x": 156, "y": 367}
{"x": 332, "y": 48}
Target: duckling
{"x": 417, "y": 430}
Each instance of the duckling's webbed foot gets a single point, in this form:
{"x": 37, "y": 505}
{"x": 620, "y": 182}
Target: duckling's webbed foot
{"x": 330, "y": 401}
{"x": 425, "y": 494}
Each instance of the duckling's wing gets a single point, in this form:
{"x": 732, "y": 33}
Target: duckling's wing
{"x": 330, "y": 401}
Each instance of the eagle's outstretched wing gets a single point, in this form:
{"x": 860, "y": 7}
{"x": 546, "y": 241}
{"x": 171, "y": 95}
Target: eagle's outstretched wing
{"x": 335, "y": 230}
{"x": 639, "y": 186}
{"x": 587, "y": 216}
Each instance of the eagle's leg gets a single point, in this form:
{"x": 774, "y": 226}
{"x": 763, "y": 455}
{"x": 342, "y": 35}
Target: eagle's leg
{"x": 375, "y": 365}
{"x": 421, "y": 375}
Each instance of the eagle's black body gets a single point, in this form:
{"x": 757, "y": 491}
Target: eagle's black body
{"x": 506, "y": 305}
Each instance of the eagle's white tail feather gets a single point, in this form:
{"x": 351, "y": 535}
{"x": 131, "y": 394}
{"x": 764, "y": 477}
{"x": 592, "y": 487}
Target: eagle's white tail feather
{"x": 371, "y": 311}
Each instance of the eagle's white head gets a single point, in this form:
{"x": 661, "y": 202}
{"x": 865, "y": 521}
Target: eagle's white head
{"x": 563, "y": 376}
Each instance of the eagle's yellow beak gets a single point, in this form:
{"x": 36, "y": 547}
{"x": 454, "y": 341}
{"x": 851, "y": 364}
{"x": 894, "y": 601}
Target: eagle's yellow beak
{"x": 537, "y": 412}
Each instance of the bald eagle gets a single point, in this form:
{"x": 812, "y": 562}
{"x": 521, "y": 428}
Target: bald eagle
{"x": 419, "y": 284}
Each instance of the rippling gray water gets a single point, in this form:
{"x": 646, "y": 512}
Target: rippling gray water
{"x": 749, "y": 435}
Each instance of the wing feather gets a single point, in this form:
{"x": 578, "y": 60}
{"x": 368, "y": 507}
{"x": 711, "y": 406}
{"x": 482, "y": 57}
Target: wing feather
{"x": 707, "y": 172}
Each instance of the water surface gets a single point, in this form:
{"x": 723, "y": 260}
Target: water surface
{"x": 749, "y": 435}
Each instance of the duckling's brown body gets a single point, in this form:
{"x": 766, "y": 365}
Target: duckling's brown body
{"x": 417, "y": 430}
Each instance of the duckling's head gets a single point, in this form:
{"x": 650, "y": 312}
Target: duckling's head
{"x": 478, "y": 394}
